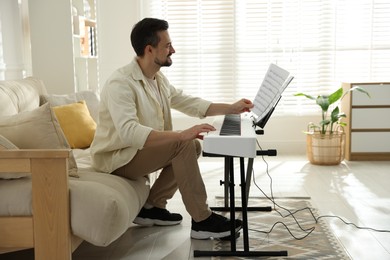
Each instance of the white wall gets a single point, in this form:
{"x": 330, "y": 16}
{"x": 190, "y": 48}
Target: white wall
{"x": 52, "y": 44}
{"x": 115, "y": 22}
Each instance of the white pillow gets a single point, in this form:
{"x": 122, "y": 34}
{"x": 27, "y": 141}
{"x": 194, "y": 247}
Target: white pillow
{"x": 36, "y": 129}
{"x": 91, "y": 99}
{"x": 5, "y": 144}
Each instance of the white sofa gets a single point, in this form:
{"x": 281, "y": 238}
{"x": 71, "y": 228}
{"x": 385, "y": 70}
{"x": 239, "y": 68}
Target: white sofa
{"x": 48, "y": 200}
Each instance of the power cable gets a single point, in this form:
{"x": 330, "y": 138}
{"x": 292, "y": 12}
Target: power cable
{"x": 308, "y": 231}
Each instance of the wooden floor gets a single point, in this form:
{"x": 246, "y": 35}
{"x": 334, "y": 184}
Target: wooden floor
{"x": 359, "y": 192}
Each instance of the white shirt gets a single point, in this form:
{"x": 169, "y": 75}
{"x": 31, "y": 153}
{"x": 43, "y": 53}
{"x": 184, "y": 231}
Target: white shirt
{"x": 129, "y": 111}
{"x": 156, "y": 90}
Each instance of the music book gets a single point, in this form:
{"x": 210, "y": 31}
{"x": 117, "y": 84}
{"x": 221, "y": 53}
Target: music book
{"x": 274, "y": 83}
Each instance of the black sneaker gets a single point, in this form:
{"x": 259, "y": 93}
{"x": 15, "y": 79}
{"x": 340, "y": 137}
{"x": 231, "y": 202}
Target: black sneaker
{"x": 215, "y": 226}
{"x": 158, "y": 217}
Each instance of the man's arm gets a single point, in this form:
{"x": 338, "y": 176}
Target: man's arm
{"x": 243, "y": 105}
{"x": 162, "y": 137}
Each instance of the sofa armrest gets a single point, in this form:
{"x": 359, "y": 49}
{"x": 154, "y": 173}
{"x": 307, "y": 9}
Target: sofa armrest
{"x": 51, "y": 235}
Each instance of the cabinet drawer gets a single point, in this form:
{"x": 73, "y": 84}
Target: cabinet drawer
{"x": 380, "y": 95}
{"x": 370, "y": 142}
{"x": 369, "y": 118}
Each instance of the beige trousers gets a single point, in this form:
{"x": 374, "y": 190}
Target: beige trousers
{"x": 180, "y": 170}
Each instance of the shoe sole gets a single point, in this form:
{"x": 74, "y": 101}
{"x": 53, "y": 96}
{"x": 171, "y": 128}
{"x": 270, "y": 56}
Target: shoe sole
{"x": 203, "y": 235}
{"x": 154, "y": 222}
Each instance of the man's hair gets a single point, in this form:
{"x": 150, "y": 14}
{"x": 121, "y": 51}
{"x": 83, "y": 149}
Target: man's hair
{"x": 145, "y": 33}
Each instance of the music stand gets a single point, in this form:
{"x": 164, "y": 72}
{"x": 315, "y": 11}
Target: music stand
{"x": 262, "y": 122}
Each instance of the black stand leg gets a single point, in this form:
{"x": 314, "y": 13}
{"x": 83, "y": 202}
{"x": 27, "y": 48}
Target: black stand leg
{"x": 244, "y": 200}
{"x": 226, "y": 187}
{"x": 226, "y": 182}
{"x": 248, "y": 184}
{"x": 232, "y": 207}
{"x": 244, "y": 205}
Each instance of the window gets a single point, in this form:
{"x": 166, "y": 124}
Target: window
{"x": 224, "y": 47}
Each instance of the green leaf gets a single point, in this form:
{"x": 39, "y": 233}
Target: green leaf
{"x": 357, "y": 88}
{"x": 342, "y": 114}
{"x": 360, "y": 90}
{"x": 335, "y": 96}
{"x": 325, "y": 122}
{"x": 323, "y": 102}
{"x": 304, "y": 95}
{"x": 334, "y": 116}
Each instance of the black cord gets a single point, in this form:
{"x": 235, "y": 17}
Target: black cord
{"x": 290, "y": 213}
{"x": 287, "y": 228}
{"x": 353, "y": 224}
{"x": 308, "y": 231}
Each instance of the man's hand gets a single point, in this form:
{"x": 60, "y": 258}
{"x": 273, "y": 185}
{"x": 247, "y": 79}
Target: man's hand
{"x": 163, "y": 137}
{"x": 195, "y": 132}
{"x": 241, "y": 106}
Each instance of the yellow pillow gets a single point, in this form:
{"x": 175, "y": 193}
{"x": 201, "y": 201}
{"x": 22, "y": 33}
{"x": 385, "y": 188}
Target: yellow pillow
{"x": 76, "y": 123}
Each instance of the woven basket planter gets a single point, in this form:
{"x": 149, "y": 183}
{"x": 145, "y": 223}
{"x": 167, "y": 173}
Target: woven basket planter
{"x": 325, "y": 149}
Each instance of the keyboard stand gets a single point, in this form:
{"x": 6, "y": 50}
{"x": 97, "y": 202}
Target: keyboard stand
{"x": 229, "y": 167}
{"x": 225, "y": 183}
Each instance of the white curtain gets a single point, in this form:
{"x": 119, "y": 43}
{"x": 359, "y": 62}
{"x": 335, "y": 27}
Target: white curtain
{"x": 223, "y": 48}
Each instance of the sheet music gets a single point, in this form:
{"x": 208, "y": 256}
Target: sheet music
{"x": 273, "y": 85}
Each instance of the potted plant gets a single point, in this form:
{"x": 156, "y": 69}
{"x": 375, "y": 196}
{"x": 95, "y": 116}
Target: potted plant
{"x": 326, "y": 141}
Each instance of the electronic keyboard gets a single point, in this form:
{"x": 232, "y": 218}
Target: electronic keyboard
{"x": 234, "y": 136}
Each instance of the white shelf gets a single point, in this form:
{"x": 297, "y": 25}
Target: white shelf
{"x": 85, "y": 45}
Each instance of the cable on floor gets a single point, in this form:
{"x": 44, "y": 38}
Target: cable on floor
{"x": 308, "y": 231}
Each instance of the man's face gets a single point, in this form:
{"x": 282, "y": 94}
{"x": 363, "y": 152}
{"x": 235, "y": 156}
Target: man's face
{"x": 164, "y": 50}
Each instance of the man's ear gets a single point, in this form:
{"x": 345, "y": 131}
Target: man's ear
{"x": 148, "y": 49}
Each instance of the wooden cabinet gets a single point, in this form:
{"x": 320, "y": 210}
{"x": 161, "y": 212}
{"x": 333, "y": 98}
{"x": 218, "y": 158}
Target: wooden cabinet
{"x": 64, "y": 44}
{"x": 368, "y": 122}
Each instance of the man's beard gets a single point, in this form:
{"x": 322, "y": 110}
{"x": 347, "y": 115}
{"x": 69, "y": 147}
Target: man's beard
{"x": 166, "y": 63}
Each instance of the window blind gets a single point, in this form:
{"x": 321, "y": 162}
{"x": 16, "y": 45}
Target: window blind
{"x": 223, "y": 48}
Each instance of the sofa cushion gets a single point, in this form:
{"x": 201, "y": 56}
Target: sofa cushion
{"x": 107, "y": 201}
{"x": 36, "y": 129}
{"x": 20, "y": 95}
{"x": 5, "y": 144}
{"x": 76, "y": 123}
{"x": 102, "y": 206}
{"x": 91, "y": 99}
{"x": 106, "y": 205}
